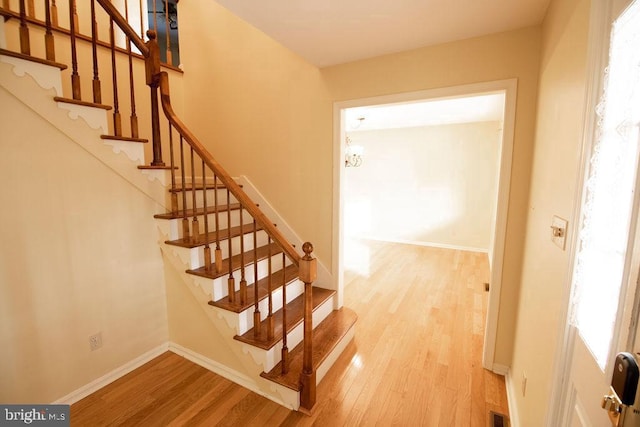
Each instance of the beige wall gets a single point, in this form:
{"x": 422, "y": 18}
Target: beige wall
{"x": 439, "y": 187}
{"x": 263, "y": 112}
{"x": 494, "y": 57}
{"x": 78, "y": 256}
{"x": 553, "y": 187}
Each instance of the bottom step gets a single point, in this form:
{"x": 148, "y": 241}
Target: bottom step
{"x": 325, "y": 338}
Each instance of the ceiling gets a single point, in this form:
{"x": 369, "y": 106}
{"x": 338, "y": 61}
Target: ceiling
{"x": 337, "y": 31}
{"x": 480, "y": 108}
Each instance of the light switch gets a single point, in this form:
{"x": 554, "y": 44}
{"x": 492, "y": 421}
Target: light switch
{"x": 559, "y": 231}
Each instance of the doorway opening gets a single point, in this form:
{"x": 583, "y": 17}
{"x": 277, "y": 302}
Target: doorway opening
{"x": 393, "y": 148}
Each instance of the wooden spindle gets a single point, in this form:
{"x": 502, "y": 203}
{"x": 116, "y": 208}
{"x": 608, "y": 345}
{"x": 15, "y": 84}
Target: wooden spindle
{"x": 185, "y": 220}
{"x": 218, "y": 251}
{"x": 207, "y": 249}
{"x": 168, "y": 29}
{"x": 75, "y": 17}
{"x": 231, "y": 281}
{"x": 75, "y": 77}
{"x": 133, "y": 117}
{"x": 152, "y": 66}
{"x": 195, "y": 226}
{"x": 50, "y": 50}
{"x": 54, "y": 13}
{"x": 97, "y": 90}
{"x": 25, "y": 44}
{"x": 256, "y": 307}
{"x": 285, "y": 349}
{"x": 270, "y": 323}
{"x": 308, "y": 274}
{"x": 174, "y": 193}
{"x": 155, "y": 16}
{"x": 6, "y": 4}
{"x": 31, "y": 9}
{"x": 243, "y": 280}
{"x": 117, "y": 120}
{"x": 141, "y": 21}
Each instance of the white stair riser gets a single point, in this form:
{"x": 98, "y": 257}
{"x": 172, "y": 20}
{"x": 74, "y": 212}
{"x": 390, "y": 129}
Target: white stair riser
{"x": 223, "y": 221}
{"x": 188, "y": 198}
{"x": 194, "y": 257}
{"x": 219, "y": 287}
{"x": 245, "y": 318}
{"x": 270, "y": 358}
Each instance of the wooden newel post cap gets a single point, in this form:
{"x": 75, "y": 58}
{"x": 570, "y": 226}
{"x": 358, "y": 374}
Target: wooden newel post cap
{"x": 308, "y": 265}
{"x": 152, "y": 62}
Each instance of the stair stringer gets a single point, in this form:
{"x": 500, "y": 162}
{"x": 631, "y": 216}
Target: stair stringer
{"x": 36, "y": 84}
{"x": 243, "y": 353}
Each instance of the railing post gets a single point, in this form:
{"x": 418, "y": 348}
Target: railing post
{"x": 308, "y": 271}
{"x": 152, "y": 67}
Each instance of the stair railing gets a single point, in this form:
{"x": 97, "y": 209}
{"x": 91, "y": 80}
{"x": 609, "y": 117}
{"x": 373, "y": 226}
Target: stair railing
{"x": 197, "y": 160}
{"x": 307, "y": 268}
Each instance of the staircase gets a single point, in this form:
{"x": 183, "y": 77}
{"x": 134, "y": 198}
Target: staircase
{"x": 262, "y": 286}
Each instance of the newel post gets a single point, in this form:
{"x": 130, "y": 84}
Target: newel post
{"x": 152, "y": 68}
{"x": 308, "y": 271}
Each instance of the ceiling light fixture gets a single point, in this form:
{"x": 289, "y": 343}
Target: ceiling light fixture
{"x": 353, "y": 154}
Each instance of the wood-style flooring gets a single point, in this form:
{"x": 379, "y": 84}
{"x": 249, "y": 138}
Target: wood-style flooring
{"x": 415, "y": 359}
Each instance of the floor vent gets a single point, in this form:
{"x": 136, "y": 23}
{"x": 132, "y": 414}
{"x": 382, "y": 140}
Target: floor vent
{"x": 498, "y": 420}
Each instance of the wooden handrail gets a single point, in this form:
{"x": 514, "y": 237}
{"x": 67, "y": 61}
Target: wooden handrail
{"x": 119, "y": 20}
{"x": 222, "y": 174}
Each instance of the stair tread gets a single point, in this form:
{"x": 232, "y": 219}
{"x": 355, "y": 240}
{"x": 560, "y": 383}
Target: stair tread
{"x": 325, "y": 337}
{"x": 82, "y": 103}
{"x": 262, "y": 253}
{"x": 124, "y": 138}
{"x": 156, "y": 167}
{"x": 18, "y": 55}
{"x": 197, "y": 212}
{"x": 290, "y": 274}
{"x": 295, "y": 313}
{"x": 211, "y": 236}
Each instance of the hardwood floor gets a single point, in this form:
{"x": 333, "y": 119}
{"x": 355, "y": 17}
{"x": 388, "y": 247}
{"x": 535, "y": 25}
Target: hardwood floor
{"x": 415, "y": 360}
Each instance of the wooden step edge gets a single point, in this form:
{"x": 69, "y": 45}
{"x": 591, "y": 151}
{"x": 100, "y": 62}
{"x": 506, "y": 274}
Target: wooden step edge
{"x": 326, "y": 337}
{"x": 33, "y": 59}
{"x": 124, "y": 138}
{"x": 156, "y": 167}
{"x": 263, "y": 253}
{"x": 199, "y": 212}
{"x": 211, "y": 237}
{"x": 294, "y": 318}
{"x": 291, "y": 275}
{"x": 82, "y": 103}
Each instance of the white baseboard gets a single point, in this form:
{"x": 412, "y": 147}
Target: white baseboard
{"x": 500, "y": 369}
{"x": 112, "y": 376}
{"x": 223, "y": 371}
{"x": 421, "y": 243}
{"x": 511, "y": 400}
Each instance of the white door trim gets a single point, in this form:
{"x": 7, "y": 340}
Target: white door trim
{"x": 509, "y": 88}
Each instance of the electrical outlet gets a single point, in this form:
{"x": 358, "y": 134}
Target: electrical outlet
{"x": 524, "y": 384}
{"x": 95, "y": 341}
